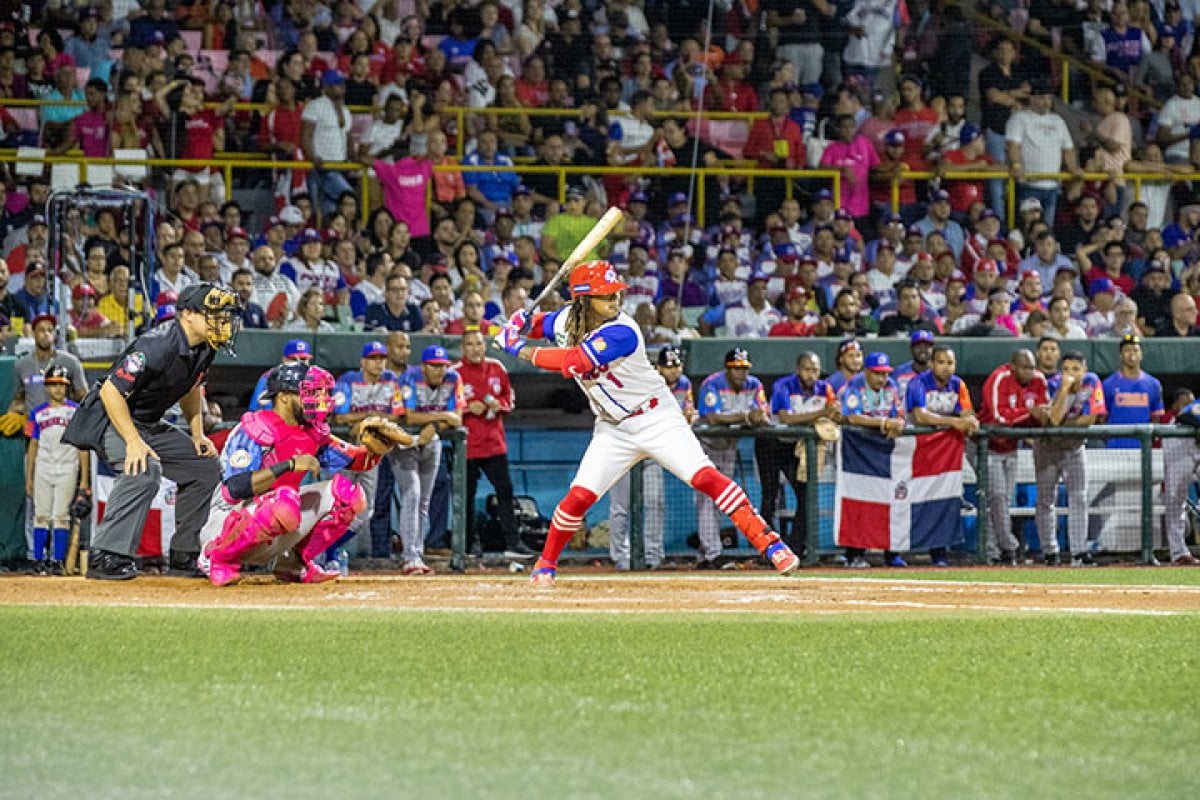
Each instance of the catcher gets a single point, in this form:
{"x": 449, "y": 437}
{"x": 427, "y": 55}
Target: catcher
{"x": 261, "y": 511}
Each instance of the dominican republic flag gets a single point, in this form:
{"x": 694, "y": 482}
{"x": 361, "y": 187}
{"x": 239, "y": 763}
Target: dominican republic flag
{"x": 160, "y": 522}
{"x": 898, "y": 494}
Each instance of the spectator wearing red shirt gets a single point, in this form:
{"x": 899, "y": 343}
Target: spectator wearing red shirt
{"x": 969, "y": 157}
{"x": 776, "y": 142}
{"x": 1113, "y": 268}
{"x": 194, "y": 132}
{"x": 533, "y": 89}
{"x": 279, "y": 134}
{"x": 731, "y": 92}
{"x": 1014, "y": 395}
{"x": 916, "y": 120}
{"x": 801, "y": 320}
{"x": 489, "y": 397}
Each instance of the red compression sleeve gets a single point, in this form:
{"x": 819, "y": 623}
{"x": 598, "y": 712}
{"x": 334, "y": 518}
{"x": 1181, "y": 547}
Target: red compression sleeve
{"x": 570, "y": 361}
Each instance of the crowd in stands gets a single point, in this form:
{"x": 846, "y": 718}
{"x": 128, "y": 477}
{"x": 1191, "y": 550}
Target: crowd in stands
{"x": 872, "y": 90}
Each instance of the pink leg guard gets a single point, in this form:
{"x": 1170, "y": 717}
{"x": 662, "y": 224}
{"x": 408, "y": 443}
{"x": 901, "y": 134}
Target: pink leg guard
{"x": 733, "y": 503}
{"x": 348, "y": 501}
{"x": 567, "y": 519}
{"x": 272, "y": 515}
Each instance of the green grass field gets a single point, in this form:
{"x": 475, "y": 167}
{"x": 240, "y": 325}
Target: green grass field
{"x": 163, "y": 703}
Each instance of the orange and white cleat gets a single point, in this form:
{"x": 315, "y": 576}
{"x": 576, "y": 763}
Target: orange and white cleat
{"x": 543, "y": 572}
{"x": 782, "y": 558}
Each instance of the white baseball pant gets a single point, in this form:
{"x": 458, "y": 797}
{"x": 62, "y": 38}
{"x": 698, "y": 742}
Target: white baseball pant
{"x": 618, "y": 517}
{"x": 1052, "y": 461}
{"x": 316, "y": 501}
{"x": 1181, "y": 466}
{"x": 660, "y": 434}
{"x": 53, "y": 490}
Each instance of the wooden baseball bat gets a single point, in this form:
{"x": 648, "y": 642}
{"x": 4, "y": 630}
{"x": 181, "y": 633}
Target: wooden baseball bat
{"x": 72, "y": 565}
{"x": 599, "y": 232}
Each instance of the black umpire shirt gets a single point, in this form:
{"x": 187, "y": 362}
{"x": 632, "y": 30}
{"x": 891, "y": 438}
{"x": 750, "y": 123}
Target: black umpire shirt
{"x": 157, "y": 370}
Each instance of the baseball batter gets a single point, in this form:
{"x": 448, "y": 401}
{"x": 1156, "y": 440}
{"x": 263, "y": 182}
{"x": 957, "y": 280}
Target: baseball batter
{"x": 260, "y": 511}
{"x": 1078, "y": 399}
{"x": 636, "y": 415}
{"x": 52, "y": 469}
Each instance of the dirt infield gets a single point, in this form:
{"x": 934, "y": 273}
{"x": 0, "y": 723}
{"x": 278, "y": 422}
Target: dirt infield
{"x": 614, "y": 594}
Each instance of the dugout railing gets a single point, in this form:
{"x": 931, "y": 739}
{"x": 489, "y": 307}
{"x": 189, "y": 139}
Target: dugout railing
{"x": 1123, "y": 487}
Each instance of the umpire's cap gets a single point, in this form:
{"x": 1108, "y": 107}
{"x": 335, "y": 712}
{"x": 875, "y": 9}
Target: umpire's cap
{"x": 670, "y": 356}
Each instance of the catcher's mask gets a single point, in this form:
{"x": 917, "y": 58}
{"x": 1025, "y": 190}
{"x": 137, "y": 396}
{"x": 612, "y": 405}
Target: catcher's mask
{"x": 220, "y": 308}
{"x": 313, "y": 385}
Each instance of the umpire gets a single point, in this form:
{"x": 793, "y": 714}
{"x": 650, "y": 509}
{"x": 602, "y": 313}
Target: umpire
{"x": 122, "y": 420}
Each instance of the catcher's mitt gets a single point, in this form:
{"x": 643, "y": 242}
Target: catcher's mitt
{"x": 380, "y": 435}
{"x": 81, "y": 506}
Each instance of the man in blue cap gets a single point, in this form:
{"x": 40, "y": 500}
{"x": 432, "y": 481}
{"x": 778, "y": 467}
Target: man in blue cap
{"x": 295, "y": 350}
{"x": 325, "y": 136}
{"x": 369, "y": 391}
{"x": 433, "y": 403}
{"x": 920, "y": 345}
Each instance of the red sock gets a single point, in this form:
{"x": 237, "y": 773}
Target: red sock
{"x": 733, "y": 503}
{"x": 567, "y": 519}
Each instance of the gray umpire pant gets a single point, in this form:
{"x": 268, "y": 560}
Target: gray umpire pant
{"x": 1067, "y": 461}
{"x": 1181, "y": 463}
{"x": 708, "y": 522}
{"x": 131, "y": 496}
{"x": 415, "y": 470}
{"x": 1002, "y": 480}
{"x": 618, "y": 516}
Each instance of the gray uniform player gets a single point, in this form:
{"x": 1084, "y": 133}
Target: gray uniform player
{"x": 1181, "y": 466}
{"x": 1078, "y": 399}
{"x": 367, "y": 392}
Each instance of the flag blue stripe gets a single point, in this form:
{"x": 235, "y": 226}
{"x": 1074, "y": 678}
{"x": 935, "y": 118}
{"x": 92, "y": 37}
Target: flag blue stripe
{"x": 936, "y": 523}
{"x": 866, "y": 453}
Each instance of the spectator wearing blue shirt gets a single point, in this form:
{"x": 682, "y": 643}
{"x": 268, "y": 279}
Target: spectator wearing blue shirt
{"x": 1131, "y": 396}
{"x": 489, "y": 190}
{"x": 154, "y": 26}
{"x": 1179, "y": 238}
{"x": 396, "y": 312}
{"x": 940, "y": 398}
{"x": 937, "y": 218}
{"x": 90, "y": 46}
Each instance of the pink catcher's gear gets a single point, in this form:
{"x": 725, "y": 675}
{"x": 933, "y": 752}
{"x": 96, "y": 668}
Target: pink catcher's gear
{"x": 272, "y": 515}
{"x": 348, "y": 501}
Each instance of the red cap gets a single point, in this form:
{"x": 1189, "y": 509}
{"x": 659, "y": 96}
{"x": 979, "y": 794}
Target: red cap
{"x": 922, "y": 256}
{"x": 237, "y": 233}
{"x": 797, "y": 292}
{"x": 83, "y": 290}
{"x": 1031, "y": 273}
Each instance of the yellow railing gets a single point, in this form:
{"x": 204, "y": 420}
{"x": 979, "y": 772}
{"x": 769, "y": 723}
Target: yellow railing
{"x": 460, "y": 113}
{"x": 229, "y": 164}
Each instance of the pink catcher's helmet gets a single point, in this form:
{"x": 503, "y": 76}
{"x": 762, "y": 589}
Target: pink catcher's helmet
{"x": 312, "y": 384}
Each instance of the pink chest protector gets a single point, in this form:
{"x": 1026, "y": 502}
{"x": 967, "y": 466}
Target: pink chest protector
{"x": 281, "y": 441}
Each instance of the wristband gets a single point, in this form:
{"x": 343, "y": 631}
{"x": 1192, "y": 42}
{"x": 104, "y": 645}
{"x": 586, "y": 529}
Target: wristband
{"x": 283, "y": 467}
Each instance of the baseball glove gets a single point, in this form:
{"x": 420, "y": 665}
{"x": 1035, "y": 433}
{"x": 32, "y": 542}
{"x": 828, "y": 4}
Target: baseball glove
{"x": 12, "y": 423}
{"x": 81, "y": 506}
{"x": 380, "y": 435}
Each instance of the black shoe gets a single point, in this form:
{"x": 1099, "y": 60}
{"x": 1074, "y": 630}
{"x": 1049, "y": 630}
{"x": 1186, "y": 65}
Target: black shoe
{"x": 182, "y": 564}
{"x": 1053, "y": 560}
{"x": 1083, "y": 560}
{"x": 105, "y": 565}
{"x": 718, "y": 563}
{"x": 518, "y": 552}
{"x": 54, "y": 567}
{"x": 41, "y": 567}
{"x": 1007, "y": 559}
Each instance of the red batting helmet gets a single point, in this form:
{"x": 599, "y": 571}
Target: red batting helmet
{"x": 595, "y": 278}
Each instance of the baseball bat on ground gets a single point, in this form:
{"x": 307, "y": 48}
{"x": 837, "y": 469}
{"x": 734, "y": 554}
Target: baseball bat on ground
{"x": 599, "y": 232}
{"x": 72, "y": 565}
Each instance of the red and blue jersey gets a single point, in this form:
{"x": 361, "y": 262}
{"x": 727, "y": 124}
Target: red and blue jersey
{"x": 1132, "y": 401}
{"x": 1086, "y": 402}
{"x": 682, "y": 392}
{"x": 353, "y": 394}
{"x": 902, "y": 375}
{"x": 718, "y": 397}
{"x": 838, "y": 381}
{"x": 420, "y": 396}
{"x": 790, "y": 394}
{"x": 860, "y": 399}
{"x": 949, "y": 400}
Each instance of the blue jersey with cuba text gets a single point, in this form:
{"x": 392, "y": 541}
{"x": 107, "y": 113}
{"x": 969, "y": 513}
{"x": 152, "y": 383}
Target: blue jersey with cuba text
{"x": 1132, "y": 401}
